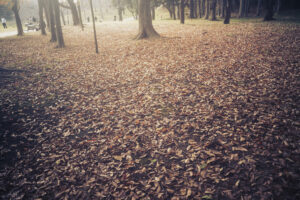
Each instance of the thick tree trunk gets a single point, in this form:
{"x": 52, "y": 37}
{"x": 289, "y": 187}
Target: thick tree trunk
{"x": 146, "y": 29}
{"x": 74, "y": 13}
{"x": 213, "y": 10}
{"x": 192, "y": 9}
{"x": 59, "y": 33}
{"x": 228, "y": 12}
{"x": 207, "y": 8}
{"x": 270, "y": 11}
{"x": 94, "y": 27}
{"x": 52, "y": 22}
{"x": 120, "y": 11}
{"x": 242, "y": 8}
{"x": 182, "y": 5}
{"x": 258, "y": 11}
{"x": 41, "y": 16}
{"x": 15, "y": 10}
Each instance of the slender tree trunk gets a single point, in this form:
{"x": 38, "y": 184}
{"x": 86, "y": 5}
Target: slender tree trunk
{"x": 74, "y": 12}
{"x": 247, "y": 4}
{"x": 79, "y": 14}
{"x": 52, "y": 22}
{"x": 220, "y": 7}
{"x": 270, "y": 11}
{"x": 228, "y": 12}
{"x": 203, "y": 8}
{"x": 41, "y": 16}
{"x": 173, "y": 10}
{"x": 182, "y": 5}
{"x": 146, "y": 29}
{"x": 213, "y": 10}
{"x": 258, "y": 11}
{"x": 224, "y": 2}
{"x": 278, "y": 5}
{"x": 192, "y": 9}
{"x": 207, "y": 6}
{"x": 46, "y": 9}
{"x": 94, "y": 27}
{"x": 63, "y": 17}
{"x": 200, "y": 8}
{"x": 195, "y": 9}
{"x": 15, "y": 9}
{"x": 178, "y": 11}
{"x": 120, "y": 13}
{"x": 242, "y": 8}
{"x": 59, "y": 33}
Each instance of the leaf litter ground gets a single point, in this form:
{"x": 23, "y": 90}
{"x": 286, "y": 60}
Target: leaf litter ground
{"x": 207, "y": 112}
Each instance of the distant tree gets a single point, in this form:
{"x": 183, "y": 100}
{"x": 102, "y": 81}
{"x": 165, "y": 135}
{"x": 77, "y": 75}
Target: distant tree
{"x": 75, "y": 16}
{"x": 207, "y": 8}
{"x": 15, "y": 9}
{"x": 270, "y": 10}
{"x": 213, "y": 10}
{"x": 41, "y": 16}
{"x": 200, "y": 8}
{"x": 146, "y": 29}
{"x": 259, "y": 6}
{"x": 182, "y": 5}
{"x": 79, "y": 14}
{"x": 14, "y": 5}
{"x": 192, "y": 16}
{"x": 227, "y": 11}
{"x": 242, "y": 8}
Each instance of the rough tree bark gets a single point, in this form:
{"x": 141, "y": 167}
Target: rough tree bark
{"x": 227, "y": 11}
{"x": 59, "y": 33}
{"x": 41, "y": 16}
{"x": 15, "y": 10}
{"x": 74, "y": 13}
{"x": 146, "y": 29}
{"x": 182, "y": 5}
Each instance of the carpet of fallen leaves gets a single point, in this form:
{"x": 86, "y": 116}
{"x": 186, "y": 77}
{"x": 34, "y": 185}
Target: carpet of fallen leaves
{"x": 208, "y": 111}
